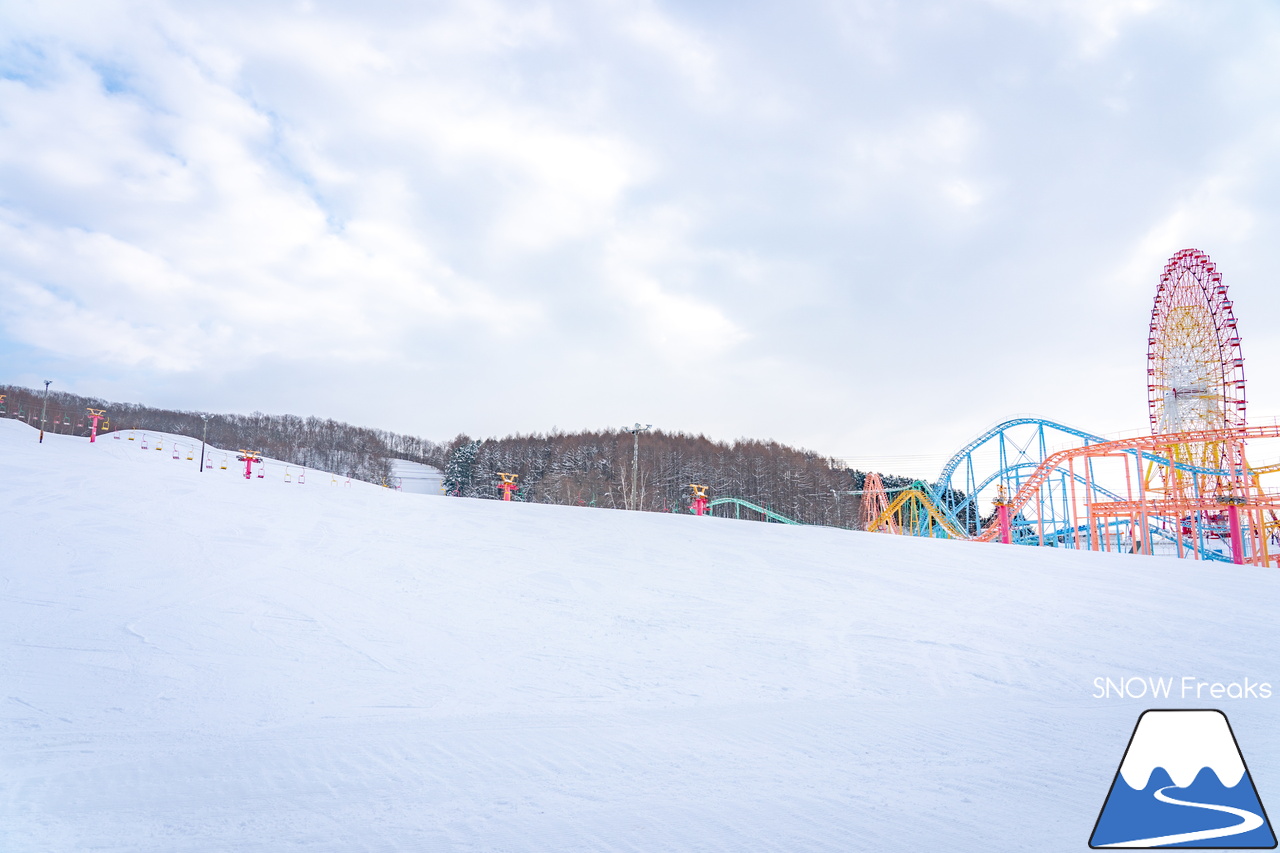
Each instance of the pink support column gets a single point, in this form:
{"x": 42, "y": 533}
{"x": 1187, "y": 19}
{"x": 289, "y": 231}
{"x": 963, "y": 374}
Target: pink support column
{"x": 1237, "y": 539}
{"x": 97, "y": 416}
{"x": 1002, "y": 516}
{"x": 248, "y": 457}
{"x": 701, "y": 499}
{"x": 508, "y": 484}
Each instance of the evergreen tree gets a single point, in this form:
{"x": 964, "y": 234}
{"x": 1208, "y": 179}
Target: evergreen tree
{"x": 459, "y": 469}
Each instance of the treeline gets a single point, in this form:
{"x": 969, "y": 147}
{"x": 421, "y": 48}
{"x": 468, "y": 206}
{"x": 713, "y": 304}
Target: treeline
{"x": 322, "y": 444}
{"x": 595, "y": 469}
{"x": 579, "y": 469}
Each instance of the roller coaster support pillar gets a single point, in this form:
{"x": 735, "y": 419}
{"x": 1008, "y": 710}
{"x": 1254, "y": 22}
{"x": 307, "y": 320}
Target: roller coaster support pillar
{"x": 1002, "y": 515}
{"x": 1006, "y": 531}
{"x": 97, "y": 416}
{"x": 508, "y": 485}
{"x": 1237, "y": 540}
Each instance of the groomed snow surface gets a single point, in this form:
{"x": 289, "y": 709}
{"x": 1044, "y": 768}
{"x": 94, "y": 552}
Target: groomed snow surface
{"x": 195, "y": 662}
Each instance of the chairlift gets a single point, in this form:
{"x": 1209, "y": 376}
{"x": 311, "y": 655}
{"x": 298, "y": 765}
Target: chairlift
{"x": 208, "y": 461}
{"x": 262, "y": 469}
{"x": 159, "y": 444}
{"x": 144, "y": 443}
{"x": 223, "y": 466}
{"x": 191, "y": 452}
{"x": 287, "y": 478}
{"x": 175, "y": 451}
{"x": 302, "y": 477}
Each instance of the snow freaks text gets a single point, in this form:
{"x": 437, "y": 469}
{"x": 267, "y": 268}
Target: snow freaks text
{"x": 1179, "y": 687}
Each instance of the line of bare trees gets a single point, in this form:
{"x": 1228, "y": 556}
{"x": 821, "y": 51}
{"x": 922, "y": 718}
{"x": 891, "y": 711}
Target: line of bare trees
{"x": 582, "y": 469}
{"x": 594, "y": 469}
{"x": 322, "y": 444}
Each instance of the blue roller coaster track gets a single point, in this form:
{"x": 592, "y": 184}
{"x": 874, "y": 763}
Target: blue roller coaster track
{"x": 1007, "y": 454}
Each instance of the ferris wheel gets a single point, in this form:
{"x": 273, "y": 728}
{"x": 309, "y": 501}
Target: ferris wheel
{"x": 1195, "y": 371}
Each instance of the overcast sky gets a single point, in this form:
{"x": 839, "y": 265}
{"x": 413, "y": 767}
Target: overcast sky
{"x": 868, "y": 228}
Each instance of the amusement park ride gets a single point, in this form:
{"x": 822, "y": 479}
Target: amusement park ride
{"x": 1186, "y": 489}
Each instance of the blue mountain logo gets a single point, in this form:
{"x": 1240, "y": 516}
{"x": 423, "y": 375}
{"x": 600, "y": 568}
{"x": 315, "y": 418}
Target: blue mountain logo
{"x": 1183, "y": 783}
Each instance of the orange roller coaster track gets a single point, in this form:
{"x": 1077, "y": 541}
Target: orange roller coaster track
{"x": 1155, "y": 497}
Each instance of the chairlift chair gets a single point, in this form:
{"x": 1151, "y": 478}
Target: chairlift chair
{"x": 287, "y": 478}
{"x": 302, "y": 477}
{"x": 144, "y": 443}
{"x": 191, "y": 452}
{"x": 223, "y": 466}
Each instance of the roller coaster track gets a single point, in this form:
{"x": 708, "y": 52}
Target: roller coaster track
{"x": 767, "y": 513}
{"x": 998, "y": 431}
{"x": 1015, "y": 460}
{"x": 1143, "y": 445}
{"x": 903, "y": 512}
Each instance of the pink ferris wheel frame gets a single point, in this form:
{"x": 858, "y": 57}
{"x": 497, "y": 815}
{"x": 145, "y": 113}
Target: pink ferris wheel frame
{"x": 1192, "y": 301}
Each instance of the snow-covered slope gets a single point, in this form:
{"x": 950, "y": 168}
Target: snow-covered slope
{"x": 416, "y": 478}
{"x": 195, "y": 662}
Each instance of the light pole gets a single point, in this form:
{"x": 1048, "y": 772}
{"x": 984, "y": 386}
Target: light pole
{"x": 44, "y": 408}
{"x": 203, "y": 441}
{"x": 635, "y": 459}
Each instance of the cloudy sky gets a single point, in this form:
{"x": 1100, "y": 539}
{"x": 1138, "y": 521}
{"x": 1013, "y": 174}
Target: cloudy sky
{"x": 870, "y": 228}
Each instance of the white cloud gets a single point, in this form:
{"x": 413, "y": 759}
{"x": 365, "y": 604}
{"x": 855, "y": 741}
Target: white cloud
{"x": 1095, "y": 23}
{"x": 647, "y": 266}
{"x": 685, "y": 51}
{"x": 930, "y": 154}
{"x": 488, "y": 196}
